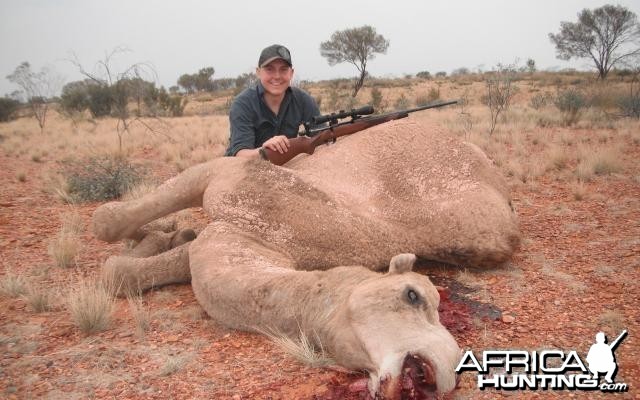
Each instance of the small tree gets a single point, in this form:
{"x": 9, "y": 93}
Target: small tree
{"x": 531, "y": 65}
{"x": 38, "y": 88}
{"x": 110, "y": 92}
{"x": 607, "y": 35}
{"x": 8, "y": 107}
{"x": 500, "y": 91}
{"x": 199, "y": 82}
{"x": 355, "y": 46}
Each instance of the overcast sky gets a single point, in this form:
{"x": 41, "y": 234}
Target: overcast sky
{"x": 179, "y": 37}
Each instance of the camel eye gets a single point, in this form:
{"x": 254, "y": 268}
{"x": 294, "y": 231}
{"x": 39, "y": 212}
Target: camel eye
{"x": 412, "y": 296}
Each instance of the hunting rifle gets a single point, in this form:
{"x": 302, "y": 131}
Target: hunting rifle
{"x": 311, "y": 137}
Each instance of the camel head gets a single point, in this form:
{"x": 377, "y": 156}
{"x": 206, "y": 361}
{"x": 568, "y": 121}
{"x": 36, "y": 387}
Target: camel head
{"x": 396, "y": 336}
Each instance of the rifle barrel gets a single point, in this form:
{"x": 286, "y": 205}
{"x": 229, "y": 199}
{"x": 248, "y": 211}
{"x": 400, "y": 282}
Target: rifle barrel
{"x": 431, "y": 105}
{"x": 307, "y": 142}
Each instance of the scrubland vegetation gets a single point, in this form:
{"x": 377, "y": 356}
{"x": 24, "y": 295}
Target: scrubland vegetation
{"x": 531, "y": 124}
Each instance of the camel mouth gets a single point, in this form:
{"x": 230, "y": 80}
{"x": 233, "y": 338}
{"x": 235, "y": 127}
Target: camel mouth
{"x": 418, "y": 379}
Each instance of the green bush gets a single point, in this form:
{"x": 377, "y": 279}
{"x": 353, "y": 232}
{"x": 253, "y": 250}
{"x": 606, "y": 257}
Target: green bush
{"x": 75, "y": 97}
{"x": 101, "y": 178}
{"x": 423, "y": 75}
{"x": 8, "y": 107}
{"x": 172, "y": 104}
{"x": 100, "y": 100}
{"x": 570, "y": 102}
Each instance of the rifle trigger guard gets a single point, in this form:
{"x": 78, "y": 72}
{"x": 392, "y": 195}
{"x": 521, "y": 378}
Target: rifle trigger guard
{"x": 333, "y": 136}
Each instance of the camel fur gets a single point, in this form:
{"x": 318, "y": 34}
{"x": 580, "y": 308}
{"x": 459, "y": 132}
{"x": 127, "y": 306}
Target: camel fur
{"x": 302, "y": 246}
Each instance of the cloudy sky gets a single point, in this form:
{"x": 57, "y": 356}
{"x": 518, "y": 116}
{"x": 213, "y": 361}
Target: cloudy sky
{"x": 179, "y": 37}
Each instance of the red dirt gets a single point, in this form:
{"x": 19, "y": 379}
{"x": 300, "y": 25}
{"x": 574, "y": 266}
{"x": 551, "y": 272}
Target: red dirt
{"x": 578, "y": 259}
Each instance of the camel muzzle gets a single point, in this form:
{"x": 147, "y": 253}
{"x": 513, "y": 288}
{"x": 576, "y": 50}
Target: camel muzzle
{"x": 417, "y": 381}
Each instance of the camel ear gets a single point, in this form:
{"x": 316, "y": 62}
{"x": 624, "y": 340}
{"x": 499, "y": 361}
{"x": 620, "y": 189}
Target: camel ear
{"x": 402, "y": 263}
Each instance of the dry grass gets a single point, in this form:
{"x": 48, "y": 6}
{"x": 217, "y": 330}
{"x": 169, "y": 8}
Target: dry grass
{"x": 174, "y": 363}
{"x": 598, "y": 161}
{"x": 557, "y": 158}
{"x": 138, "y": 190}
{"x": 12, "y": 285}
{"x": 38, "y": 298}
{"x": 303, "y": 349}
{"x": 579, "y": 190}
{"x": 65, "y": 247}
{"x": 140, "y": 314}
{"x": 470, "y": 279}
{"x": 177, "y": 139}
{"x": 91, "y": 305}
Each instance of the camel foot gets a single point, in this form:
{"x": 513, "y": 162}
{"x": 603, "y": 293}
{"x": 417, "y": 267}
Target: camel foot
{"x": 110, "y": 223}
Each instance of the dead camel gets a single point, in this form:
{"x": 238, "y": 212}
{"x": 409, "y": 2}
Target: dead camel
{"x": 296, "y": 248}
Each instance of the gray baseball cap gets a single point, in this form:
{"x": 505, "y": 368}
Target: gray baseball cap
{"x": 274, "y": 52}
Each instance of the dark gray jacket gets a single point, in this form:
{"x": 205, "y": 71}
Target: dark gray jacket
{"x": 253, "y": 123}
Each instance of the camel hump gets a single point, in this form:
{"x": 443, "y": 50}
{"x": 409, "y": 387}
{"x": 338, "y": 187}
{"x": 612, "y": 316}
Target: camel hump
{"x": 402, "y": 263}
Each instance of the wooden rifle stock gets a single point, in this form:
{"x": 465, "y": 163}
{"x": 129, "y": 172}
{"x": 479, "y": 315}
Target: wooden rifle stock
{"x": 308, "y": 144}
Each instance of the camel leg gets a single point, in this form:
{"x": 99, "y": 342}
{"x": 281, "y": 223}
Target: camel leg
{"x": 129, "y": 275}
{"x": 117, "y": 220}
{"x": 158, "y": 242}
{"x": 240, "y": 281}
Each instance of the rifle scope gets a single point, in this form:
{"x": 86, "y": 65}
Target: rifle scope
{"x": 354, "y": 113}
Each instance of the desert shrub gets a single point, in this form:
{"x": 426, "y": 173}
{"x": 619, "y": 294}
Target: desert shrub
{"x": 421, "y": 99}
{"x": 441, "y": 74}
{"x": 8, "y": 108}
{"x": 423, "y": 75}
{"x": 100, "y": 100}
{"x": 377, "y": 100}
{"x": 402, "y": 102}
{"x": 172, "y": 104}
{"x": 434, "y": 94}
{"x": 540, "y": 100}
{"x": 75, "y": 97}
{"x": 500, "y": 90}
{"x": 629, "y": 105}
{"x": 603, "y": 97}
{"x": 431, "y": 96}
{"x": 460, "y": 71}
{"x": 101, "y": 178}
{"x": 570, "y": 102}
